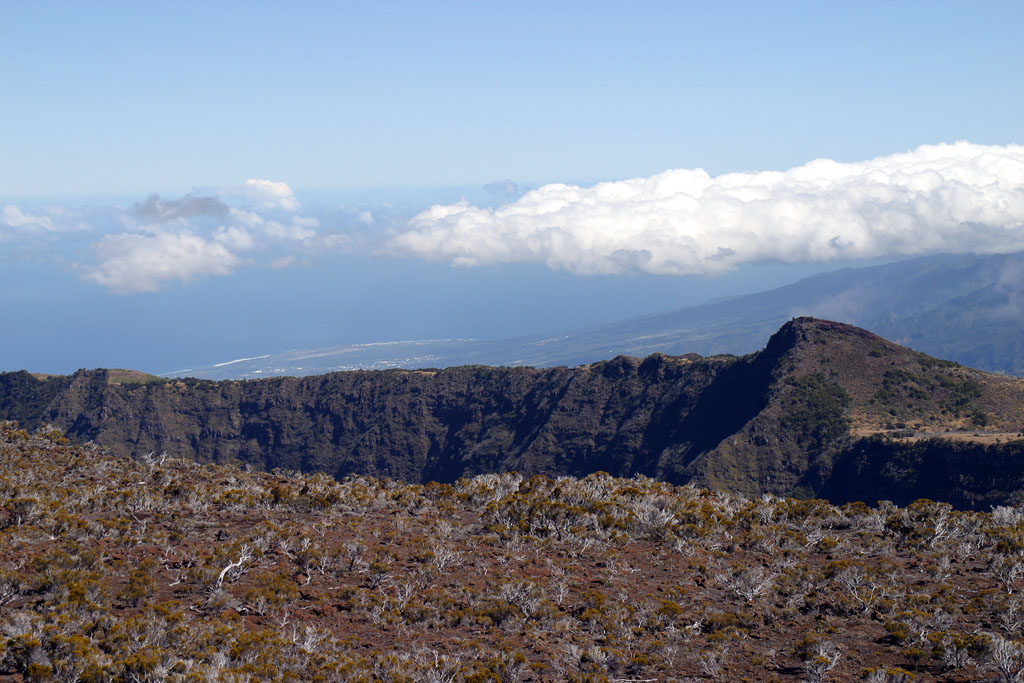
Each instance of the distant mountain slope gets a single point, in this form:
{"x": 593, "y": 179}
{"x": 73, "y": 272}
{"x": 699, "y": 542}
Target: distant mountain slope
{"x": 824, "y": 409}
{"x": 964, "y": 308}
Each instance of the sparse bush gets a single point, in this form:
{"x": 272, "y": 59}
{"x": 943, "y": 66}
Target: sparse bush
{"x": 176, "y": 571}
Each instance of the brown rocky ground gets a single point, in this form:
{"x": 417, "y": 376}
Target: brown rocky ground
{"x": 162, "y": 569}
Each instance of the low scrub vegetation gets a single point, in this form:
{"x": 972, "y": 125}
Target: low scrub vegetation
{"x": 162, "y": 569}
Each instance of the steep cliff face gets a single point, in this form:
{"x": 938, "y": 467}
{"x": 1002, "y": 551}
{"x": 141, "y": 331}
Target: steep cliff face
{"x": 421, "y": 425}
{"x": 790, "y": 418}
{"x": 841, "y": 400}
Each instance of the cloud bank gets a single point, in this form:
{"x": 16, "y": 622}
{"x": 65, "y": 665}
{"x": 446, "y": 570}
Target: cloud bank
{"x": 267, "y": 193}
{"x": 144, "y": 263}
{"x": 206, "y": 232}
{"x": 12, "y": 217}
{"x": 189, "y": 206}
{"x": 937, "y": 198}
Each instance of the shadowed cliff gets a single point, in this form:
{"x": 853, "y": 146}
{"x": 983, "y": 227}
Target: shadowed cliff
{"x": 812, "y": 414}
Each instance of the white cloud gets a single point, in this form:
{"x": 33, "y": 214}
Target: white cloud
{"x": 42, "y": 230}
{"x": 246, "y": 217}
{"x": 161, "y": 241}
{"x": 296, "y": 231}
{"x": 14, "y": 218}
{"x": 145, "y": 263}
{"x": 951, "y": 197}
{"x": 189, "y": 206}
{"x": 268, "y": 194}
{"x": 306, "y": 221}
{"x": 336, "y": 240}
{"x": 234, "y": 237}
{"x": 284, "y": 261}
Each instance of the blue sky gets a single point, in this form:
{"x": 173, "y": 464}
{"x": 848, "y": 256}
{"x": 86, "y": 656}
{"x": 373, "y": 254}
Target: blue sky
{"x": 355, "y": 118}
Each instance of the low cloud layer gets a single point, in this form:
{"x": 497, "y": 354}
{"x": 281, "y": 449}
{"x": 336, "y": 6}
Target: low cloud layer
{"x": 13, "y": 218}
{"x": 189, "y": 206}
{"x": 206, "y": 232}
{"x": 145, "y": 263}
{"x": 268, "y": 194}
{"x": 941, "y": 198}
{"x": 35, "y": 231}
{"x": 944, "y": 198}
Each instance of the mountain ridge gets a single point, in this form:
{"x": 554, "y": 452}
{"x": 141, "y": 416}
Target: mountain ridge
{"x": 822, "y": 399}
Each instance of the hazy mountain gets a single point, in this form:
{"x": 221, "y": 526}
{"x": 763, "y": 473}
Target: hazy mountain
{"x": 965, "y": 308}
{"x": 824, "y": 409}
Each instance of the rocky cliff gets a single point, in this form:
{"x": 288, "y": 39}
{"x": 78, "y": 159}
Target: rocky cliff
{"x": 819, "y": 411}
